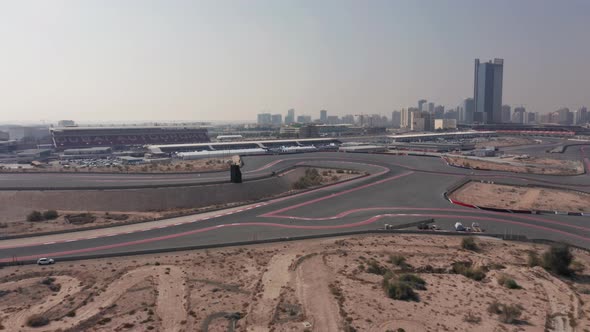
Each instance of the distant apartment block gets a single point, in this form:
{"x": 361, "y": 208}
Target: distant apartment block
{"x": 506, "y": 115}
{"x": 396, "y": 119}
{"x": 264, "y": 119}
{"x": 276, "y": 119}
{"x": 290, "y": 118}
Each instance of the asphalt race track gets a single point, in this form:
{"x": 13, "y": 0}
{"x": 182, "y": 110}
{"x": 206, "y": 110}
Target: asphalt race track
{"x": 399, "y": 190}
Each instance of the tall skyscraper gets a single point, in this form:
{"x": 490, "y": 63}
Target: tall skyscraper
{"x": 421, "y": 102}
{"x": 487, "y": 91}
{"x": 324, "y": 116}
{"x": 290, "y": 118}
{"x": 506, "y": 114}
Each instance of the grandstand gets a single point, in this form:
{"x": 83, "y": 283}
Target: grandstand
{"x": 268, "y": 144}
{"x": 124, "y": 137}
{"x": 535, "y": 130}
{"x": 422, "y": 137}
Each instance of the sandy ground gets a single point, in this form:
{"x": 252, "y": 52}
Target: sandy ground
{"x": 174, "y": 166}
{"x": 522, "y": 198}
{"x": 530, "y": 166}
{"x": 313, "y": 285}
{"x": 22, "y": 226}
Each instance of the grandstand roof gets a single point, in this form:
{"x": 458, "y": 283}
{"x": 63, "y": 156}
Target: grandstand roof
{"x": 451, "y": 134}
{"x": 311, "y": 140}
{"x": 125, "y": 127}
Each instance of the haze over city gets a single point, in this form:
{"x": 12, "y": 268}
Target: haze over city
{"x": 229, "y": 60}
{"x": 294, "y": 165}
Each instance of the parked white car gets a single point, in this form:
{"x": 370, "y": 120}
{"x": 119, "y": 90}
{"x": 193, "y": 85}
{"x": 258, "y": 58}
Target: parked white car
{"x": 45, "y": 261}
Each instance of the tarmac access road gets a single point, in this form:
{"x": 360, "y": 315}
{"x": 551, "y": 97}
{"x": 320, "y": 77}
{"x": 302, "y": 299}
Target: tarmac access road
{"x": 399, "y": 189}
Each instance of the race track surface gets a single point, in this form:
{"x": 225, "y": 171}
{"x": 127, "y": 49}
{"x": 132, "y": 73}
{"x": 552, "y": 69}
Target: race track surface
{"x": 399, "y": 190}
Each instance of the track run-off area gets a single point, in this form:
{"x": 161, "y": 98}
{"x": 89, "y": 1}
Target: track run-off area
{"x": 398, "y": 190}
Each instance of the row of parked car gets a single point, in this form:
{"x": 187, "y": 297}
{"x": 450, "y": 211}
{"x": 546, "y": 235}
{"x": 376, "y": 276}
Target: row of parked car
{"x": 94, "y": 162}
{"x": 475, "y": 227}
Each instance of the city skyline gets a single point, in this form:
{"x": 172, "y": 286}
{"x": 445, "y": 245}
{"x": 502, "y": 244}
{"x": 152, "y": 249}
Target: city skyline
{"x": 228, "y": 61}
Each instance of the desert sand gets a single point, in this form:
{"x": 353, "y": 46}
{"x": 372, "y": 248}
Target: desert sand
{"x": 529, "y": 166}
{"x": 312, "y": 285}
{"x": 522, "y": 198}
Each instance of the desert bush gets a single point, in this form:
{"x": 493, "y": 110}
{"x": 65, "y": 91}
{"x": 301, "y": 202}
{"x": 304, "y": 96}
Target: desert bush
{"x": 104, "y": 321}
{"x": 375, "y": 268}
{"x": 510, "y": 314}
{"x": 80, "y": 219}
{"x": 495, "y": 307}
{"x": 50, "y": 215}
{"x": 533, "y": 259}
{"x": 558, "y": 259}
{"x": 468, "y": 243}
{"x": 472, "y": 318}
{"x": 311, "y": 178}
{"x": 577, "y": 267}
{"x": 37, "y": 321}
{"x": 35, "y": 216}
{"x": 401, "y": 291}
{"x": 413, "y": 280}
{"x": 55, "y": 287}
{"x": 507, "y": 282}
{"x": 48, "y": 281}
{"x": 397, "y": 260}
{"x": 507, "y": 313}
{"x": 402, "y": 287}
{"x": 465, "y": 268}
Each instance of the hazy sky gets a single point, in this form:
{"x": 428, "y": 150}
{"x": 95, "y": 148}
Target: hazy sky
{"x": 228, "y": 60}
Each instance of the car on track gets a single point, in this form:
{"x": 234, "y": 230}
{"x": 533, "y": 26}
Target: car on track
{"x": 428, "y": 227}
{"x": 45, "y": 261}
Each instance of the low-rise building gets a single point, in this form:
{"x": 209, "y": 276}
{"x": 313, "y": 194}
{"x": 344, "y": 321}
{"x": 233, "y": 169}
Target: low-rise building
{"x": 96, "y": 152}
{"x": 445, "y": 124}
{"x": 308, "y": 132}
{"x": 33, "y": 155}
